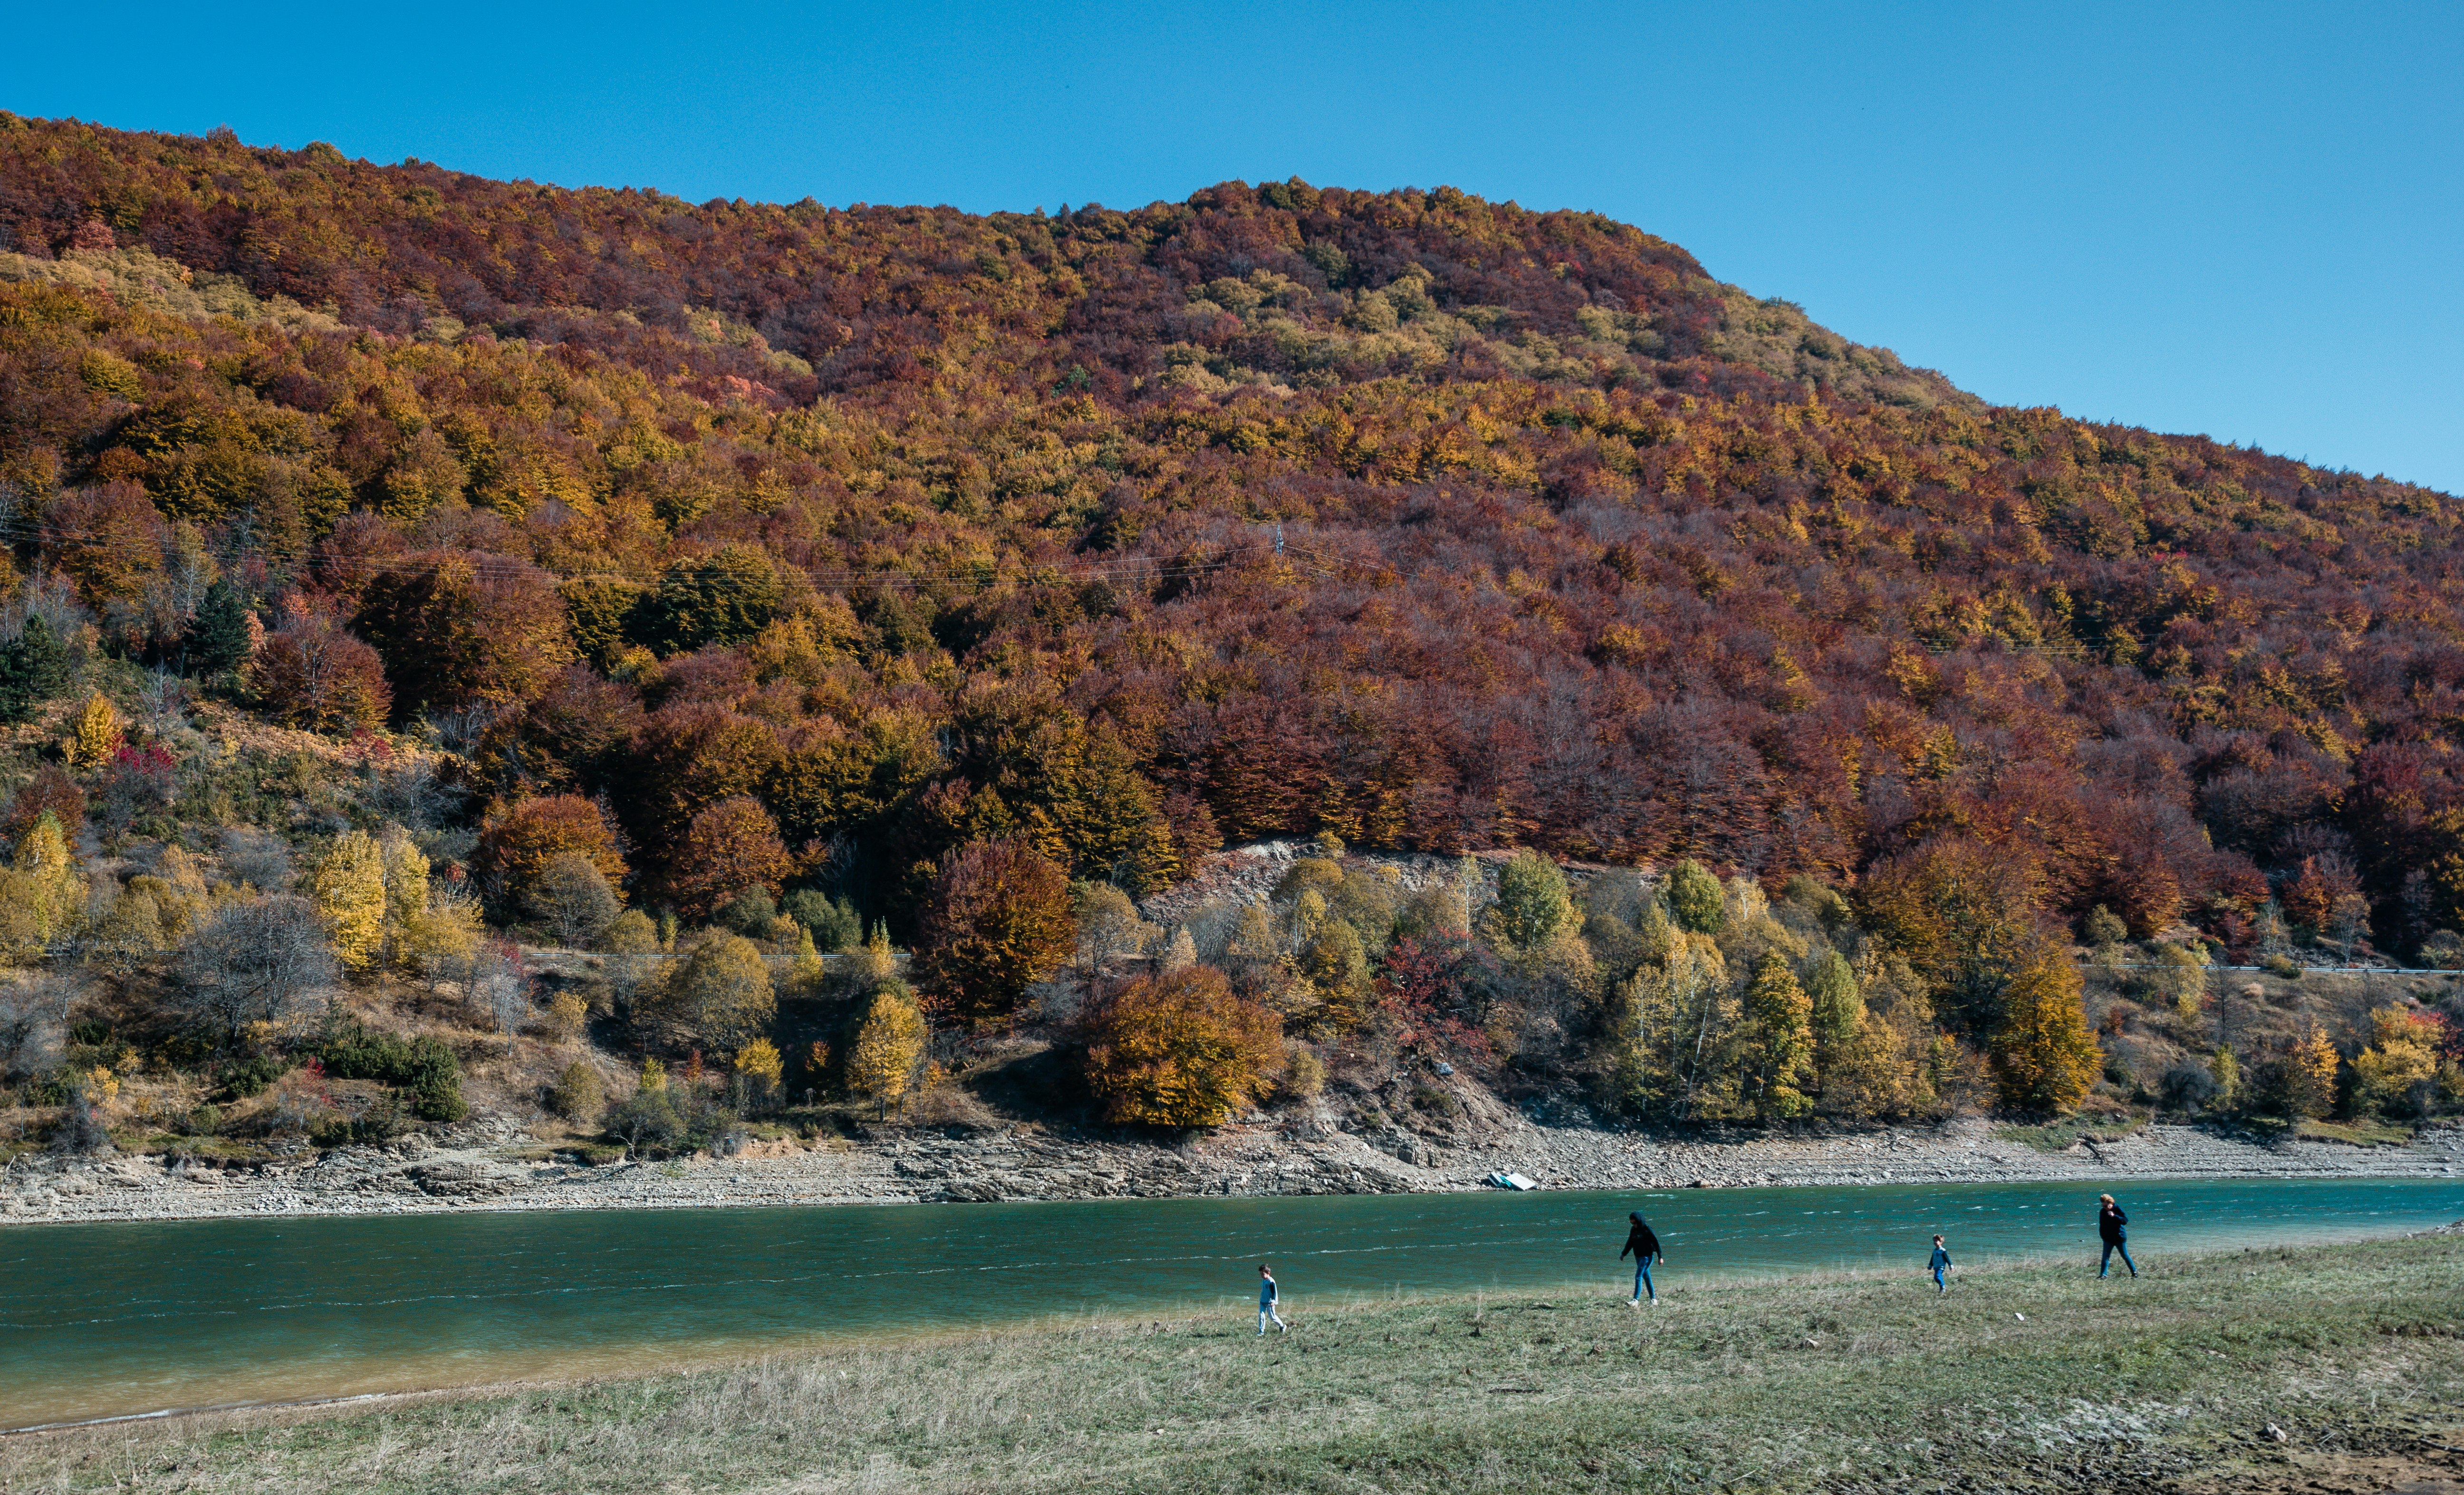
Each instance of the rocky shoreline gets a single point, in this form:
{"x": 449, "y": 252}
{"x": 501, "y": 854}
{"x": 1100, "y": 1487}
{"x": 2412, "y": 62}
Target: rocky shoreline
{"x": 489, "y": 1166}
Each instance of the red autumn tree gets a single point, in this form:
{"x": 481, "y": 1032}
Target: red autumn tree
{"x": 312, "y": 673}
{"x": 997, "y": 921}
{"x": 51, "y": 789}
{"x": 732, "y": 846}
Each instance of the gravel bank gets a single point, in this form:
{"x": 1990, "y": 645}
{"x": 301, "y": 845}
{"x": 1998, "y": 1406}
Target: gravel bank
{"x": 481, "y": 1167}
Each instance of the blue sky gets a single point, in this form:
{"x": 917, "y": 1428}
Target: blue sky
{"x": 2242, "y": 221}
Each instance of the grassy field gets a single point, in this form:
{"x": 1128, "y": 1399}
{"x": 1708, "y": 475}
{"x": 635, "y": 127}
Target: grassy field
{"x": 1836, "y": 1383}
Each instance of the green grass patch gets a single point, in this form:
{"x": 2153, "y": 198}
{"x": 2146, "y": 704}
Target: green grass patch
{"x": 2022, "y": 1374}
{"x": 2356, "y": 1133}
{"x": 2067, "y": 1133}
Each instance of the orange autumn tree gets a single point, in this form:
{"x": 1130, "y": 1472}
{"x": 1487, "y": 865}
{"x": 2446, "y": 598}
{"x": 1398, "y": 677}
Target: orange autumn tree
{"x": 998, "y": 920}
{"x": 518, "y": 843}
{"x": 1180, "y": 1049}
{"x": 732, "y": 846}
{"x": 463, "y": 628}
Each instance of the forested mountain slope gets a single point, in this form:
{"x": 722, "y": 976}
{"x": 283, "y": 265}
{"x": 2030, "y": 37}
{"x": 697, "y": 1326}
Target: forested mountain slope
{"x": 1432, "y": 523}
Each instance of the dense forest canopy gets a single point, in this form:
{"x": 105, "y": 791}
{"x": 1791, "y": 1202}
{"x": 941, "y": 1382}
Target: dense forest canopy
{"x": 1428, "y": 521}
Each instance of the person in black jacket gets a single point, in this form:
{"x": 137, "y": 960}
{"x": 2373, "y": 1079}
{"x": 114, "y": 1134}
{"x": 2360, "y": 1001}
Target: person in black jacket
{"x": 2113, "y": 1227}
{"x": 1940, "y": 1265}
{"x": 1645, "y": 1246}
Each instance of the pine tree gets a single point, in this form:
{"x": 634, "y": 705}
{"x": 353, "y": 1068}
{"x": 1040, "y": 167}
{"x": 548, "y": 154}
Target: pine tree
{"x": 1780, "y": 1028}
{"x": 224, "y": 634}
{"x": 33, "y": 669}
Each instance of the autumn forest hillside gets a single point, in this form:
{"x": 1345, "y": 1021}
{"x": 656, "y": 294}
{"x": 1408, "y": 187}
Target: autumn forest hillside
{"x": 875, "y": 554}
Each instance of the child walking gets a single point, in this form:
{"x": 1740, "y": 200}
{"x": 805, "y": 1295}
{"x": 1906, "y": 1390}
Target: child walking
{"x": 1267, "y": 1298}
{"x": 1940, "y": 1265}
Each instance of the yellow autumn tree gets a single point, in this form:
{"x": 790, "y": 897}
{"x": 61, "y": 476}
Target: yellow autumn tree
{"x": 875, "y": 963}
{"x": 2307, "y": 1078}
{"x": 406, "y": 880}
{"x": 882, "y": 1065}
{"x": 177, "y": 888}
{"x": 2395, "y": 1074}
{"x": 2044, "y": 1056}
{"x": 1779, "y": 1039}
{"x": 758, "y": 1063}
{"x": 40, "y": 892}
{"x": 442, "y": 935}
{"x": 805, "y": 969}
{"x": 349, "y": 893}
{"x": 1180, "y": 1049}
{"x": 96, "y": 733}
{"x": 418, "y": 935}
{"x": 720, "y": 996}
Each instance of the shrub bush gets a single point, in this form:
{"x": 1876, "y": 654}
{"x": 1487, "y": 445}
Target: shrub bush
{"x": 647, "y": 1118}
{"x": 2187, "y": 1087}
{"x": 243, "y": 1078}
{"x": 577, "y": 1094}
{"x": 424, "y": 1068}
{"x": 435, "y": 1082}
{"x": 357, "y": 1054}
{"x": 382, "y": 1121}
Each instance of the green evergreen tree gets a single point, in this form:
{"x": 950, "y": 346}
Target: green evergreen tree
{"x": 1694, "y": 899}
{"x": 1838, "y": 1006}
{"x": 1532, "y": 904}
{"x": 219, "y": 638}
{"x": 33, "y": 669}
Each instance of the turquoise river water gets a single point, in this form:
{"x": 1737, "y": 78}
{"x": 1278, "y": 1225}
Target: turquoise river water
{"x": 114, "y": 1320}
